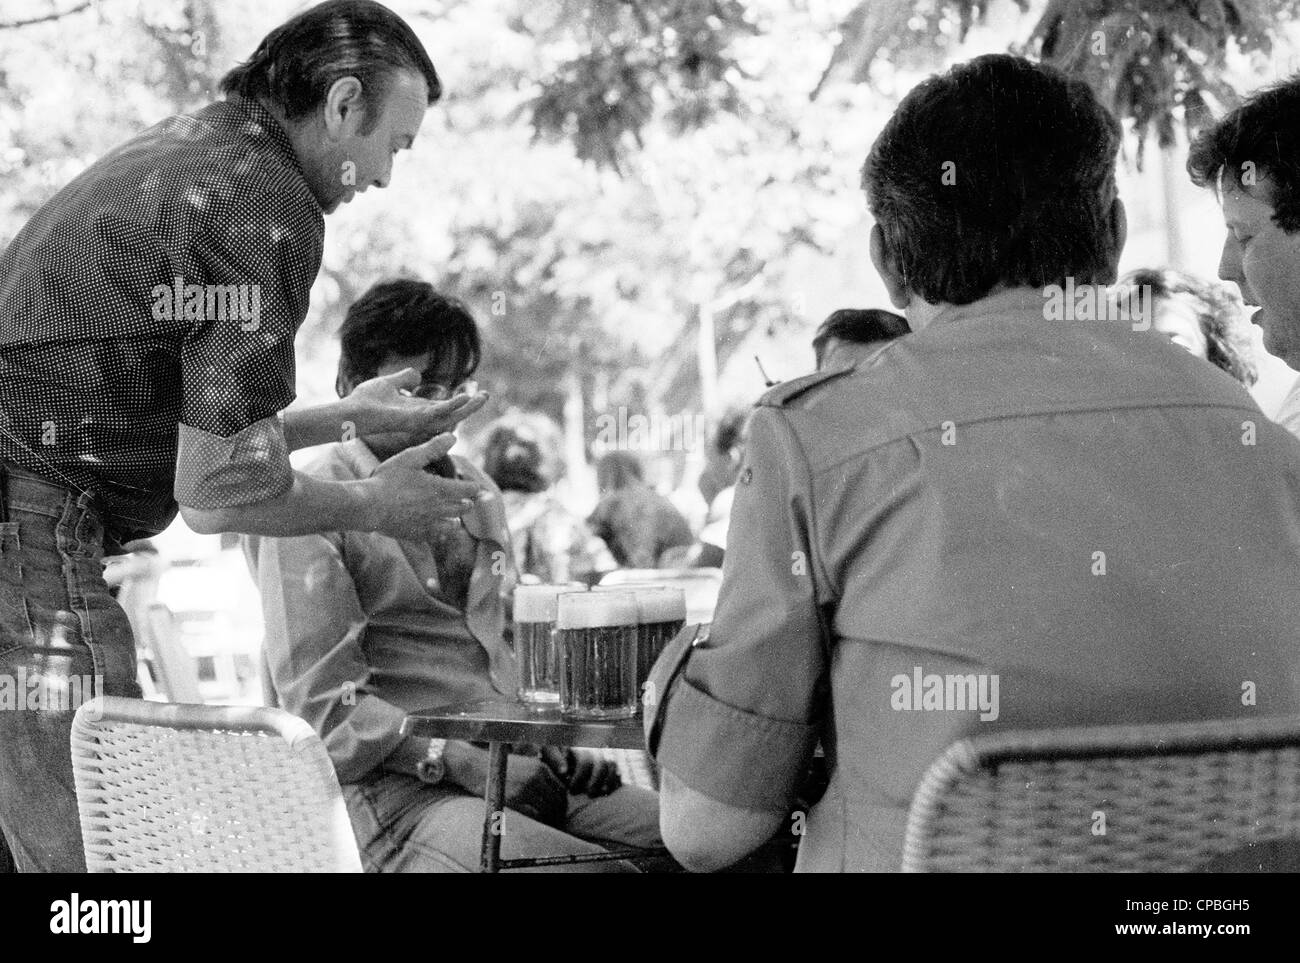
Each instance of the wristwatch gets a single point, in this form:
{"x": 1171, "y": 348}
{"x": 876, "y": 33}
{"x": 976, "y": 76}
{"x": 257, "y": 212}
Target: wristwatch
{"x": 430, "y": 769}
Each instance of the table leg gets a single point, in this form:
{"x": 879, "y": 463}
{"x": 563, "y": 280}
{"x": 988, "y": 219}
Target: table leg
{"x": 494, "y": 821}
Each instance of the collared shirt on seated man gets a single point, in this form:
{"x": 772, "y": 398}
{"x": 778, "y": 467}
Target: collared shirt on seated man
{"x": 362, "y": 628}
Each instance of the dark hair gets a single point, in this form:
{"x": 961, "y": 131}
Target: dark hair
{"x": 296, "y": 63}
{"x": 521, "y": 452}
{"x": 1265, "y": 132}
{"x": 619, "y": 470}
{"x": 859, "y": 326}
{"x": 406, "y": 317}
{"x": 514, "y": 462}
{"x": 1000, "y": 171}
{"x": 1217, "y": 308}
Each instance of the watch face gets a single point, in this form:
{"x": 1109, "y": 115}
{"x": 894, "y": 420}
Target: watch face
{"x": 430, "y": 770}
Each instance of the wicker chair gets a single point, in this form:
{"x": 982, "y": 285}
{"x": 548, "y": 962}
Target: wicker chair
{"x": 1204, "y": 796}
{"x": 163, "y": 787}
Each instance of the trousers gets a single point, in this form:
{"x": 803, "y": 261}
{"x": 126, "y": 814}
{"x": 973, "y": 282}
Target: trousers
{"x": 63, "y": 640}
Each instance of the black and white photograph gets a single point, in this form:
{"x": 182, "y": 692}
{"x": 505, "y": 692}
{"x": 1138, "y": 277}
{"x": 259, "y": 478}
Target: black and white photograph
{"x": 651, "y": 437}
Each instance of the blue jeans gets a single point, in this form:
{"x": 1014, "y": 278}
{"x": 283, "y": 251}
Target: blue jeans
{"x": 63, "y": 640}
{"x": 405, "y": 826}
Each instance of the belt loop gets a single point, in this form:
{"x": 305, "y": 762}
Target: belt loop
{"x": 4, "y": 492}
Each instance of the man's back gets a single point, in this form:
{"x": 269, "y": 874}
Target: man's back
{"x": 1097, "y": 526}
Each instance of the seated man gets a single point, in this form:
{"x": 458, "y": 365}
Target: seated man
{"x": 1251, "y": 157}
{"x": 999, "y": 521}
{"x": 362, "y": 627}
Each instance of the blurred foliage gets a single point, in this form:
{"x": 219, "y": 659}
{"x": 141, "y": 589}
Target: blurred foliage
{"x": 630, "y": 56}
{"x": 1158, "y": 64}
{"x": 599, "y": 169}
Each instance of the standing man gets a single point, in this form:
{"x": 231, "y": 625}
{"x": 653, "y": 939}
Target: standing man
{"x": 1252, "y": 159}
{"x": 147, "y": 322}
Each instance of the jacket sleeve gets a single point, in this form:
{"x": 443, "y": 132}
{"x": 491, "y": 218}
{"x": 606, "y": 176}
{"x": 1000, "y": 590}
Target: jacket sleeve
{"x": 740, "y": 712}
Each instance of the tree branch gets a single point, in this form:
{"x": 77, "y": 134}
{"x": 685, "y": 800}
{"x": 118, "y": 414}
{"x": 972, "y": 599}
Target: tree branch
{"x": 46, "y": 18}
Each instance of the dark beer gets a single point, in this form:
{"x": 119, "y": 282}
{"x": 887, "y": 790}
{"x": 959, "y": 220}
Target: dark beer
{"x": 661, "y": 614}
{"x": 535, "y": 652}
{"x": 596, "y": 635}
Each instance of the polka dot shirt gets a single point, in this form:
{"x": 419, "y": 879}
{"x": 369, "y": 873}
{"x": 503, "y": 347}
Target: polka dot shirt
{"x": 162, "y": 288}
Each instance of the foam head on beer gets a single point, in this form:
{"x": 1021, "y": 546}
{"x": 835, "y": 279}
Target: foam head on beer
{"x": 537, "y": 603}
{"x": 589, "y": 610}
{"x": 655, "y": 603}
{"x": 661, "y": 604}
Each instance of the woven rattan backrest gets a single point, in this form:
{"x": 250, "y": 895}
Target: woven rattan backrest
{"x": 164, "y": 787}
{"x": 1155, "y": 798}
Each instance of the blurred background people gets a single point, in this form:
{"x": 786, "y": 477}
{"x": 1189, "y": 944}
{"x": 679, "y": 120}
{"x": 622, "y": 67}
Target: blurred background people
{"x": 850, "y": 334}
{"x": 637, "y": 523}
{"x": 1204, "y": 317}
{"x": 521, "y": 453}
{"x": 717, "y": 483}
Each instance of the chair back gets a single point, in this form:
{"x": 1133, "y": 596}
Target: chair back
{"x": 1181, "y": 797}
{"x": 163, "y": 787}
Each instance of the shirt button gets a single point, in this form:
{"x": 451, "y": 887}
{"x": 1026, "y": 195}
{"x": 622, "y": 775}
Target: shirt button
{"x": 431, "y": 584}
{"x": 747, "y": 476}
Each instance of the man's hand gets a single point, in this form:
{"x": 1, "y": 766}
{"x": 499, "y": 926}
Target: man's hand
{"x": 385, "y": 406}
{"x": 531, "y": 787}
{"x": 582, "y": 771}
{"x": 404, "y": 500}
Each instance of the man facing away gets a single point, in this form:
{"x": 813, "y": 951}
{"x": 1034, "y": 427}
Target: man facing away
{"x": 1252, "y": 159}
{"x": 362, "y": 628}
{"x": 1063, "y": 522}
{"x": 147, "y": 321}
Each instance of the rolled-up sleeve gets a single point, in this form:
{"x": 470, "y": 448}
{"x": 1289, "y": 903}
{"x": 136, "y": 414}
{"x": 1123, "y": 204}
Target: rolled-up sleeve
{"x": 315, "y": 629}
{"x": 741, "y": 708}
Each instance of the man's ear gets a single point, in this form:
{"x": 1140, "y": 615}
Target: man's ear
{"x": 887, "y": 268}
{"x": 345, "y": 108}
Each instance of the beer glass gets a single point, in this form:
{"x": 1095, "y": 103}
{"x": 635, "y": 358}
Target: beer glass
{"x": 661, "y": 614}
{"x": 539, "y": 664}
{"x": 595, "y": 633}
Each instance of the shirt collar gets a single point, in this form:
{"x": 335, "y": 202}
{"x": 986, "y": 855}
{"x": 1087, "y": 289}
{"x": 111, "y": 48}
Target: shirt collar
{"x": 1019, "y": 303}
{"x": 262, "y": 123}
